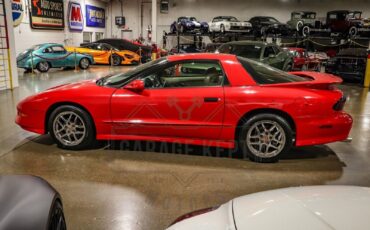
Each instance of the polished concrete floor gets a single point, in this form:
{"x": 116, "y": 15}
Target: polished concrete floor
{"x": 130, "y": 185}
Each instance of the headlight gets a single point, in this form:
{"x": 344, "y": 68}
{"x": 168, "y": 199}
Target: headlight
{"x": 276, "y": 26}
{"x": 188, "y": 24}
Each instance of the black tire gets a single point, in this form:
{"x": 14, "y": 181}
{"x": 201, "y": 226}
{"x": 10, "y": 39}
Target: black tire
{"x": 248, "y": 127}
{"x": 305, "y": 31}
{"x": 115, "y": 60}
{"x": 84, "y": 63}
{"x": 353, "y": 31}
{"x": 43, "y": 66}
{"x": 222, "y": 29}
{"x": 88, "y": 139}
{"x": 56, "y": 217}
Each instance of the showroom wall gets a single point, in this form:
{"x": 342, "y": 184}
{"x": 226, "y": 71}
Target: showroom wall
{"x": 25, "y": 37}
{"x": 205, "y": 10}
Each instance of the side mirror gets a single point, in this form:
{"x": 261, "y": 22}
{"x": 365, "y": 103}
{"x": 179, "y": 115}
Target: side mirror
{"x": 135, "y": 85}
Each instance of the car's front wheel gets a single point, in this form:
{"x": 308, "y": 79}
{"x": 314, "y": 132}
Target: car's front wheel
{"x": 264, "y": 137}
{"x": 71, "y": 128}
{"x": 56, "y": 219}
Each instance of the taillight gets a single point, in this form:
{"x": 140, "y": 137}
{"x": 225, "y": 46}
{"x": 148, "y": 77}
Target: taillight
{"x": 338, "y": 106}
{"x": 192, "y": 214}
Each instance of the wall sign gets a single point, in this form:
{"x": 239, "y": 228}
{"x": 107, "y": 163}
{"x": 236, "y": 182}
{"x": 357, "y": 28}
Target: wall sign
{"x": 95, "y": 16}
{"x": 75, "y": 17}
{"x": 17, "y": 12}
{"x": 47, "y": 14}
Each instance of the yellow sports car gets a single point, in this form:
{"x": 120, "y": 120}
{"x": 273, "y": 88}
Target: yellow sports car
{"x": 106, "y": 54}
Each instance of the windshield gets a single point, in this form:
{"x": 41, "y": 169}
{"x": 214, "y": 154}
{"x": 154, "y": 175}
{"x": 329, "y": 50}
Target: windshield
{"x": 118, "y": 79}
{"x": 231, "y": 19}
{"x": 273, "y": 20}
{"x": 193, "y": 19}
{"x": 247, "y": 51}
{"x": 264, "y": 74}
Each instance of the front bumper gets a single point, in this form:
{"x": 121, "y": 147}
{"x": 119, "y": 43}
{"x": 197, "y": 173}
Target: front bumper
{"x": 324, "y": 130}
{"x": 32, "y": 121}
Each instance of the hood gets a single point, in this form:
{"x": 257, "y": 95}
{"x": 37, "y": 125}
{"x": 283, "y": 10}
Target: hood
{"x": 319, "y": 207}
{"x": 73, "y": 86}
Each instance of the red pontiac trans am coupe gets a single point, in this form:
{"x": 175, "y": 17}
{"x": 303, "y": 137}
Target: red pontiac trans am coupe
{"x": 203, "y": 99}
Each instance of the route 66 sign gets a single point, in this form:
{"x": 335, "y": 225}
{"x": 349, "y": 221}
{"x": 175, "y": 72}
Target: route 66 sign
{"x": 17, "y": 12}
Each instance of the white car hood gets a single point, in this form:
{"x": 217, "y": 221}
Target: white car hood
{"x": 219, "y": 219}
{"x": 313, "y": 207}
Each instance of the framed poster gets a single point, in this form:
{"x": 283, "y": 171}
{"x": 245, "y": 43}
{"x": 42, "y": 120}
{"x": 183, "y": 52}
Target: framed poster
{"x": 75, "y": 17}
{"x": 95, "y": 16}
{"x": 47, "y": 14}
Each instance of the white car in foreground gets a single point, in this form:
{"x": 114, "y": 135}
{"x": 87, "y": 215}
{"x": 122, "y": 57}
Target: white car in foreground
{"x": 313, "y": 207}
{"x": 224, "y": 24}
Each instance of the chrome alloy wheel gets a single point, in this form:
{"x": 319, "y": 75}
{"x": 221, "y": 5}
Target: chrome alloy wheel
{"x": 266, "y": 139}
{"x": 84, "y": 63}
{"x": 69, "y": 128}
{"x": 44, "y": 66}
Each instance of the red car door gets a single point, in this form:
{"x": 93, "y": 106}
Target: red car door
{"x": 180, "y": 100}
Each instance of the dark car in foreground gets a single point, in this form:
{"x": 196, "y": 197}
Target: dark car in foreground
{"x": 349, "y": 64}
{"x": 267, "y": 53}
{"x": 203, "y": 99}
{"x": 263, "y": 26}
{"x": 123, "y": 44}
{"x": 29, "y": 203}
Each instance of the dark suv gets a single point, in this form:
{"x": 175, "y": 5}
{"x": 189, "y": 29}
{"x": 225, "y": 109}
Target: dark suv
{"x": 268, "y": 25}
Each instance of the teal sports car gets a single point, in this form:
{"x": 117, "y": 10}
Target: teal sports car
{"x": 52, "y": 55}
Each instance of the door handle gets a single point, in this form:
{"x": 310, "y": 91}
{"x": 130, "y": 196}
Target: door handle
{"x": 212, "y": 99}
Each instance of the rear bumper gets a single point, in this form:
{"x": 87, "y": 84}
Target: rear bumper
{"x": 324, "y": 130}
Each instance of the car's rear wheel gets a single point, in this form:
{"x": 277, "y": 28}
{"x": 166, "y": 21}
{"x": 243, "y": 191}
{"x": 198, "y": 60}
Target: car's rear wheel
{"x": 71, "y": 128}
{"x": 264, "y": 137}
{"x": 43, "y": 66}
{"x": 116, "y": 60}
{"x": 84, "y": 63}
{"x": 57, "y": 220}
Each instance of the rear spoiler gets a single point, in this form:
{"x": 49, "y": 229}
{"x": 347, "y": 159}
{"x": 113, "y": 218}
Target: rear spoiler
{"x": 315, "y": 80}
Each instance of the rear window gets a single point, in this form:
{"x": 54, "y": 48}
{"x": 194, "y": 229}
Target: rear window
{"x": 264, "y": 74}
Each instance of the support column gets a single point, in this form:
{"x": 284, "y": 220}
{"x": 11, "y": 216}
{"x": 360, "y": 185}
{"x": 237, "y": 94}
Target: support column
{"x": 12, "y": 73}
{"x": 154, "y": 21}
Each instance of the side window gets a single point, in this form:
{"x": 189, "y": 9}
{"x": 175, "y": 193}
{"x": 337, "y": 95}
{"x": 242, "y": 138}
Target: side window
{"x": 268, "y": 51}
{"x": 200, "y": 73}
{"x": 58, "y": 49}
{"x": 48, "y": 50}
